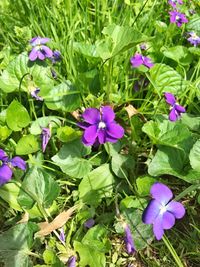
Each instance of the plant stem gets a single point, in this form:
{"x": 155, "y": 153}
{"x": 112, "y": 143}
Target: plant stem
{"x": 172, "y": 251}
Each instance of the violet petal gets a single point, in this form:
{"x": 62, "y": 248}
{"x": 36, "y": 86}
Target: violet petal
{"x": 176, "y": 208}
{"x": 161, "y": 193}
{"x": 151, "y": 212}
{"x": 115, "y": 130}
{"x": 173, "y": 115}
{"x": 18, "y": 162}
{"x": 168, "y": 220}
{"x": 157, "y": 228}
{"x": 90, "y": 133}
{"x": 170, "y": 98}
{"x": 108, "y": 114}
{"x": 71, "y": 261}
{"x": 101, "y": 136}
{"x": 91, "y": 115}
{"x": 3, "y": 156}
{"x": 5, "y": 174}
{"x": 129, "y": 240}
{"x": 33, "y": 54}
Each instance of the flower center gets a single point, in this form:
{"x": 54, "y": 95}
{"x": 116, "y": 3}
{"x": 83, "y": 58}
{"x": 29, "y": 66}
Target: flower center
{"x": 102, "y": 125}
{"x": 177, "y": 18}
{"x": 163, "y": 209}
{"x": 194, "y": 36}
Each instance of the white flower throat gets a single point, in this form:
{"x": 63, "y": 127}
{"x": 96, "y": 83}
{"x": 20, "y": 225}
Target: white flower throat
{"x": 163, "y": 209}
{"x": 101, "y": 125}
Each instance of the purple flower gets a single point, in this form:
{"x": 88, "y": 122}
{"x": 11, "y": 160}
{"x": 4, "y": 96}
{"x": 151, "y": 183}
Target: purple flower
{"x": 194, "y": 39}
{"x": 138, "y": 60}
{"x": 56, "y": 56}
{"x": 173, "y": 3}
{"x": 71, "y": 261}
{"x": 7, "y": 165}
{"x": 54, "y": 74}
{"x": 129, "y": 240}
{"x": 34, "y": 94}
{"x": 40, "y": 50}
{"x": 176, "y": 109}
{"x": 161, "y": 212}
{"x": 178, "y": 18}
{"x": 100, "y": 126}
{"x": 46, "y": 135}
{"x": 62, "y": 235}
{"x": 143, "y": 46}
{"x": 89, "y": 223}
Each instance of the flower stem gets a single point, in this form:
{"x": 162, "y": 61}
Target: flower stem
{"x": 172, "y": 251}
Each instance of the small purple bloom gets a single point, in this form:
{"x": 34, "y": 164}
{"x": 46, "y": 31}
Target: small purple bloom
{"x": 161, "y": 210}
{"x": 56, "y": 56}
{"x": 176, "y": 109}
{"x": 89, "y": 223}
{"x": 46, "y": 135}
{"x": 192, "y": 11}
{"x": 100, "y": 126}
{"x": 173, "y": 3}
{"x": 71, "y": 261}
{"x": 130, "y": 247}
{"x": 138, "y": 60}
{"x": 54, "y": 74}
{"x": 62, "y": 235}
{"x": 40, "y": 50}
{"x": 143, "y": 46}
{"x": 178, "y": 18}
{"x": 7, "y": 165}
{"x": 34, "y": 94}
{"x": 194, "y": 39}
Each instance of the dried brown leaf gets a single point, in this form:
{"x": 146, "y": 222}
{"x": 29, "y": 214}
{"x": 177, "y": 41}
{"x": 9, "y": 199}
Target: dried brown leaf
{"x": 25, "y": 218}
{"x": 131, "y": 111}
{"x": 76, "y": 114}
{"x": 46, "y": 228}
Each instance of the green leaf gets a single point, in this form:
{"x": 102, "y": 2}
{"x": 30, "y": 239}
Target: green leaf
{"x": 50, "y": 121}
{"x": 194, "y": 50}
{"x": 122, "y": 165}
{"x": 122, "y": 37}
{"x": 96, "y": 185}
{"x": 15, "y": 245}
{"x": 93, "y": 247}
{"x": 112, "y": 148}
{"x": 144, "y": 184}
{"x": 165, "y": 78}
{"x": 27, "y": 144}
{"x": 89, "y": 257}
{"x": 167, "y": 133}
{"x": 70, "y": 159}
{"x": 96, "y": 238}
{"x": 39, "y": 73}
{"x": 17, "y": 116}
{"x": 132, "y": 202}
{"x": 38, "y": 186}
{"x": 4, "y": 133}
{"x": 195, "y": 156}
{"x": 172, "y": 161}
{"x": 68, "y": 134}
{"x": 178, "y": 53}
{"x": 9, "y": 193}
{"x": 142, "y": 233}
{"x": 88, "y": 50}
{"x": 194, "y": 24}
{"x": 191, "y": 121}
{"x": 63, "y": 97}
{"x": 52, "y": 259}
